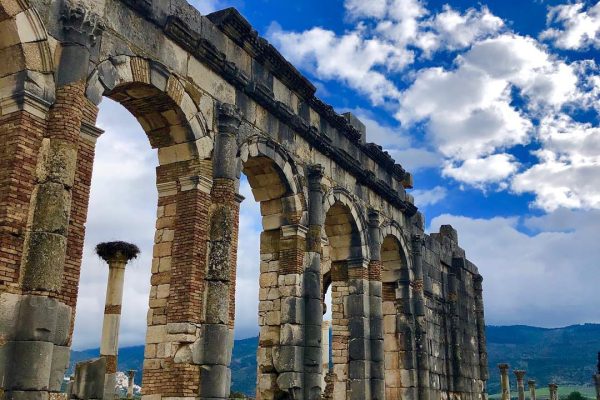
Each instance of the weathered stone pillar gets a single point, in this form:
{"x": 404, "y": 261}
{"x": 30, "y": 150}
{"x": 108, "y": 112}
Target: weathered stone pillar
{"x": 504, "y": 381}
{"x": 479, "y": 312}
{"x": 116, "y": 255}
{"x": 359, "y": 386}
{"x": 520, "y": 374}
{"x": 313, "y": 306}
{"x": 455, "y": 349}
{"x": 130, "y": 383}
{"x": 597, "y": 379}
{"x": 217, "y": 334}
{"x": 39, "y": 345}
{"x": 377, "y": 369}
{"x": 553, "y": 389}
{"x": 531, "y": 386}
{"x": 325, "y": 329}
{"x": 420, "y": 321}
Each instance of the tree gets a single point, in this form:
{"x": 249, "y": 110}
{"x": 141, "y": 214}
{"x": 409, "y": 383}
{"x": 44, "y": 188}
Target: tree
{"x": 575, "y": 396}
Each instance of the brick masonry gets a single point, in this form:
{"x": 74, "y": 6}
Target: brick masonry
{"x": 407, "y": 307}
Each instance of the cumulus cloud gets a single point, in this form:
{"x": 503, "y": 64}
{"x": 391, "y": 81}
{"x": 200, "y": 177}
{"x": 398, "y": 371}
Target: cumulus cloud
{"x": 568, "y": 171}
{"x": 480, "y": 172}
{"x": 573, "y": 26}
{"x": 558, "y": 263}
{"x": 429, "y": 197}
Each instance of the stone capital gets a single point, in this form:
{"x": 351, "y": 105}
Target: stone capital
{"x": 80, "y": 24}
{"x": 503, "y": 368}
{"x": 314, "y": 175}
{"x": 374, "y": 218}
{"x": 520, "y": 374}
{"x": 230, "y": 119}
{"x": 531, "y": 383}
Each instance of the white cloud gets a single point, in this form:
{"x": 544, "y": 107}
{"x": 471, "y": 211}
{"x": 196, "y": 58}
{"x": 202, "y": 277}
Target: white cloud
{"x": 207, "y": 6}
{"x": 573, "y": 26}
{"x": 558, "y": 265}
{"x": 429, "y": 197}
{"x": 349, "y": 58}
{"x": 481, "y": 171}
{"x": 568, "y": 171}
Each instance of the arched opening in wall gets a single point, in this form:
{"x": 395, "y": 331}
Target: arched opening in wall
{"x": 279, "y": 265}
{"x": 122, "y": 207}
{"x": 394, "y": 277}
{"x": 160, "y": 211}
{"x": 342, "y": 247}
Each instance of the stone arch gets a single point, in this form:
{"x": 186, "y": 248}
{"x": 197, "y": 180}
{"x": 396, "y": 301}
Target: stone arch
{"x": 180, "y": 126}
{"x": 342, "y": 199}
{"x": 26, "y": 73}
{"x": 274, "y": 180}
{"x": 397, "y": 275}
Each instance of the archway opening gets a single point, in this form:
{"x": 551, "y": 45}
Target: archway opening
{"x": 394, "y": 276}
{"x": 342, "y": 246}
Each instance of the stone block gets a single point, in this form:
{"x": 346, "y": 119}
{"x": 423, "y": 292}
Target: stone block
{"x": 89, "y": 379}
{"x": 60, "y": 363}
{"x": 37, "y": 318}
{"x": 215, "y": 381}
{"x": 358, "y": 327}
{"x": 34, "y": 361}
{"x": 45, "y": 258}
{"x": 289, "y": 380}
{"x": 63, "y": 324}
{"x": 288, "y": 358}
{"x": 292, "y": 310}
{"x": 378, "y": 390}
{"x": 377, "y": 351}
{"x": 359, "y": 389}
{"x": 313, "y": 335}
{"x": 21, "y": 395}
{"x": 52, "y": 209}
{"x": 292, "y": 335}
{"x": 359, "y": 369}
{"x": 217, "y": 303}
{"x": 9, "y": 309}
{"x": 376, "y": 327}
{"x": 216, "y": 345}
{"x": 313, "y": 357}
{"x": 358, "y": 349}
{"x": 312, "y": 285}
{"x": 356, "y": 305}
{"x": 59, "y": 162}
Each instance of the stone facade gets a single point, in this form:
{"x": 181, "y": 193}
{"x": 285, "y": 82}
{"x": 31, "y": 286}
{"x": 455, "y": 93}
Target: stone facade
{"x": 216, "y": 101}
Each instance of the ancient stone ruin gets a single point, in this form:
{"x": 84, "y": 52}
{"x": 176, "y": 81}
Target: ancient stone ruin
{"x": 217, "y": 101}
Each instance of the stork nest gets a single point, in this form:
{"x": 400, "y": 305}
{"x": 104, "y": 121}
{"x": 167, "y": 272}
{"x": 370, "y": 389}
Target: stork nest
{"x": 110, "y": 250}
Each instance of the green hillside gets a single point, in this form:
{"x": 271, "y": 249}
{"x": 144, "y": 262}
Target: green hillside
{"x": 566, "y": 356}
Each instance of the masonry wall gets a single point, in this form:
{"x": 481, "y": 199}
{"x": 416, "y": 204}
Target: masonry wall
{"x": 216, "y": 101}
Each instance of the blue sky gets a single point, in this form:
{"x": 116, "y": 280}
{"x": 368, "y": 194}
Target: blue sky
{"x": 493, "y": 106}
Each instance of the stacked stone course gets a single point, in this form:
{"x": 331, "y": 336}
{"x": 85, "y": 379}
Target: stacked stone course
{"x": 216, "y": 101}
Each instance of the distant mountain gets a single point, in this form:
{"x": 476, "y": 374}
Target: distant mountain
{"x": 566, "y": 356}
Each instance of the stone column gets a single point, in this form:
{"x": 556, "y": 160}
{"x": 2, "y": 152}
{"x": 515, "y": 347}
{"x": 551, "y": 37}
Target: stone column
{"x": 357, "y": 308}
{"x": 217, "y": 340}
{"x": 597, "y": 379}
{"x": 39, "y": 348}
{"x": 116, "y": 255}
{"x": 531, "y": 385}
{"x": 313, "y": 306}
{"x": 130, "y": 383}
{"x": 483, "y": 359}
{"x": 420, "y": 321}
{"x": 377, "y": 373}
{"x": 520, "y": 374}
{"x": 553, "y": 389}
{"x": 504, "y": 381}
{"x": 325, "y": 349}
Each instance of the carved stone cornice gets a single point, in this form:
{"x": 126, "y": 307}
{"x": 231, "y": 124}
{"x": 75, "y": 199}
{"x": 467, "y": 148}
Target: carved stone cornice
{"x": 230, "y": 119}
{"x": 81, "y": 25}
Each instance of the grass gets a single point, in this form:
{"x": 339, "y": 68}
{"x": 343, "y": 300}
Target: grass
{"x": 543, "y": 392}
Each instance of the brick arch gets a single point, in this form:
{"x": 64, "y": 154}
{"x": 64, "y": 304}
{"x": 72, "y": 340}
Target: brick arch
{"x": 176, "y": 124}
{"x": 393, "y": 229}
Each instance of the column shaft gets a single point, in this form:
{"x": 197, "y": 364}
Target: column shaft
{"x": 420, "y": 321}
{"x": 504, "y": 381}
{"x": 520, "y": 383}
{"x": 376, "y": 350}
{"x": 531, "y": 385}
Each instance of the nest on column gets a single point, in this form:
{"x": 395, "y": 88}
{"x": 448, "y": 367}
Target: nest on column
{"x": 111, "y": 250}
